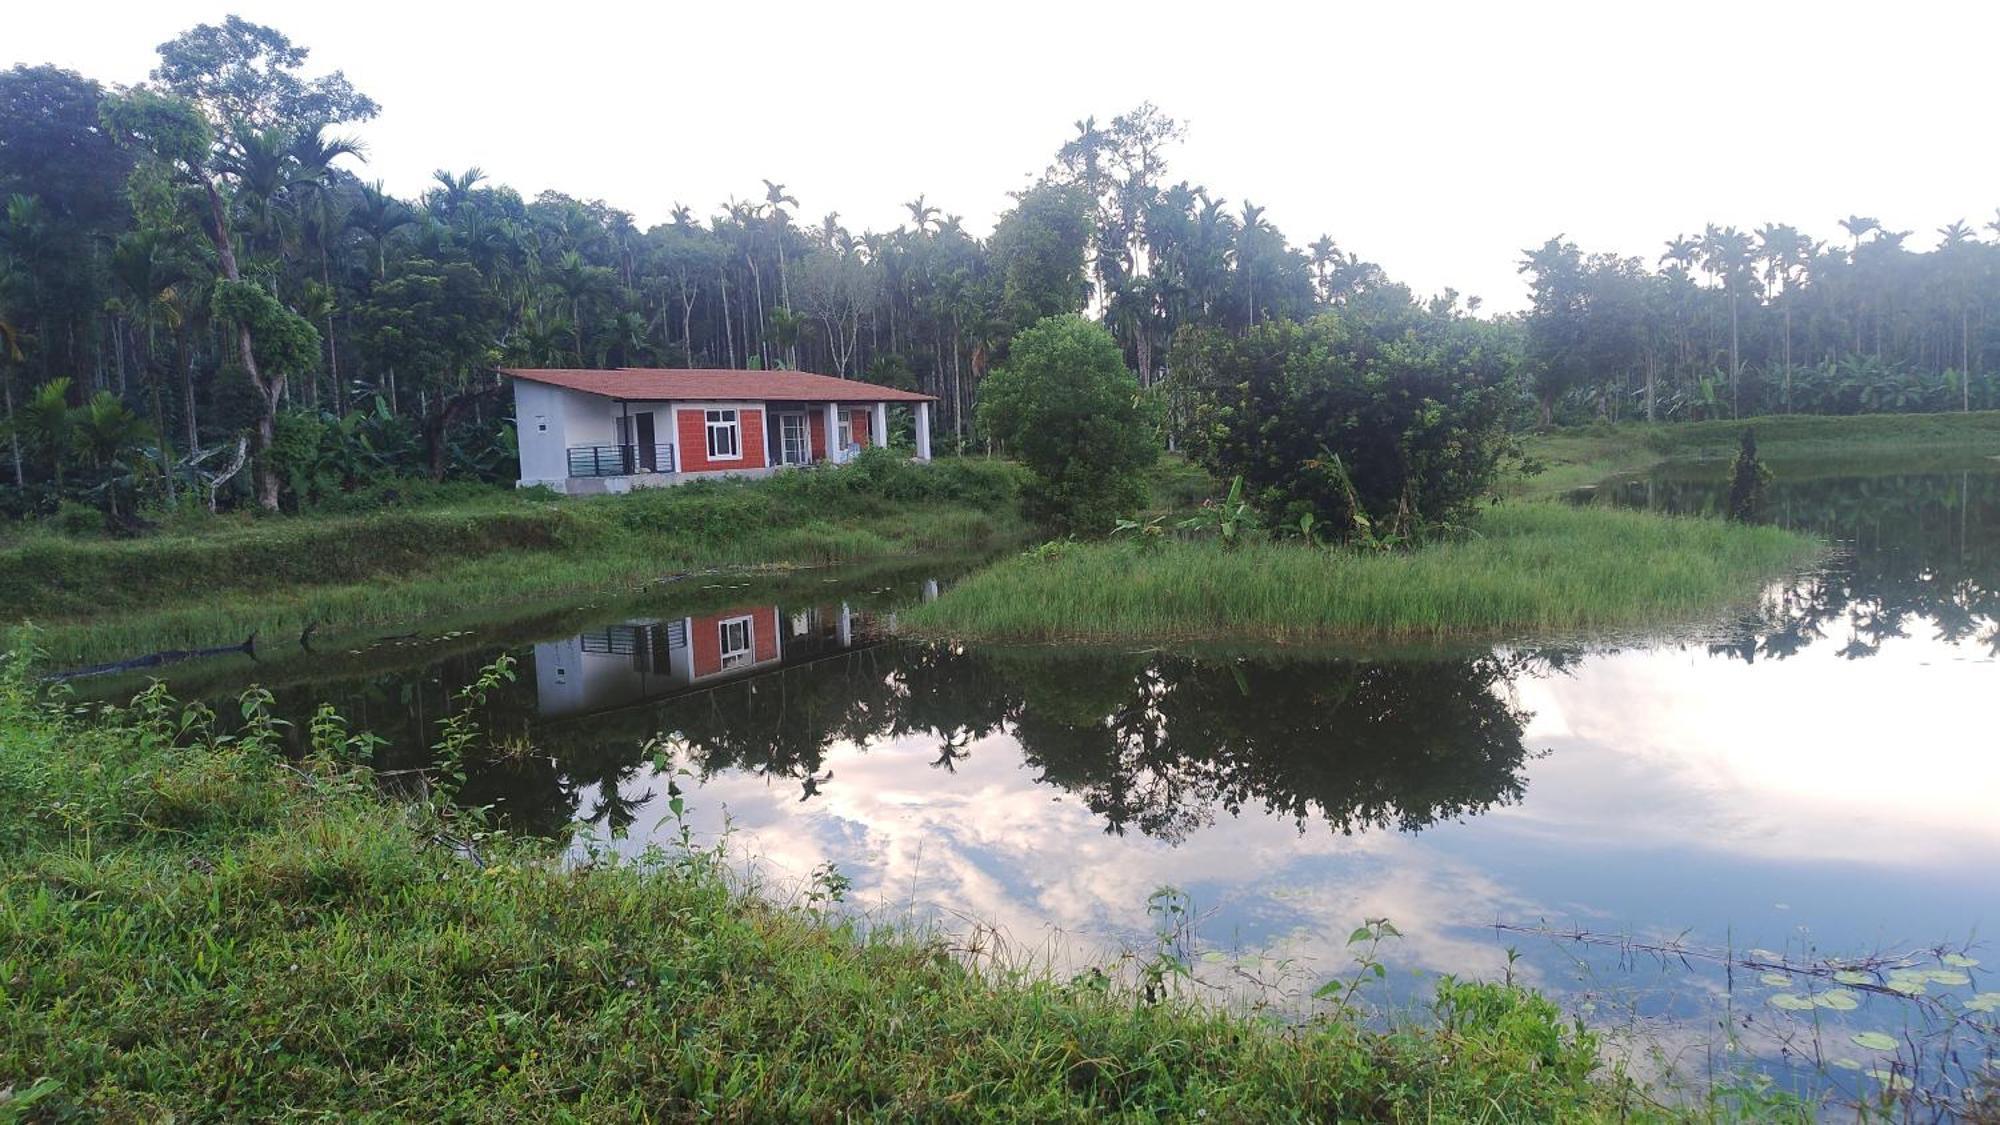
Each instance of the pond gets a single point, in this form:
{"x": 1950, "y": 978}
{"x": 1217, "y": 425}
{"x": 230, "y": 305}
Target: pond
{"x": 1682, "y": 839}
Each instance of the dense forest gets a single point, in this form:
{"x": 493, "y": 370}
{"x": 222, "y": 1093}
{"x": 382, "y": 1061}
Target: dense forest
{"x": 204, "y": 301}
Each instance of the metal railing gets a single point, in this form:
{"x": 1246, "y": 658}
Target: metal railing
{"x": 620, "y": 460}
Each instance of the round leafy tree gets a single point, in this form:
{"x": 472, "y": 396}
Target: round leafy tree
{"x": 1065, "y": 405}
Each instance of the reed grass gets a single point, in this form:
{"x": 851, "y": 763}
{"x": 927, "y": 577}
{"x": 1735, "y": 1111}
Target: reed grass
{"x": 1528, "y": 570}
{"x": 192, "y": 928}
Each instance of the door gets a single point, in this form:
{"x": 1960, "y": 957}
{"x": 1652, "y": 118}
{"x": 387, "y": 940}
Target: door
{"x": 794, "y": 447}
{"x": 642, "y": 427}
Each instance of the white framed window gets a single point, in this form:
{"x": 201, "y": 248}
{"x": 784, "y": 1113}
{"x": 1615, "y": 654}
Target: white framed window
{"x": 734, "y": 638}
{"x": 725, "y": 435}
{"x": 794, "y": 446}
{"x": 846, "y": 429}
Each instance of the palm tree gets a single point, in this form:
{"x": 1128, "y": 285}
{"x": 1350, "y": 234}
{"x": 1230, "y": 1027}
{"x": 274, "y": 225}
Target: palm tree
{"x": 378, "y": 216}
{"x": 1954, "y": 239}
{"x": 922, "y": 214}
{"x": 313, "y": 154}
{"x": 48, "y": 423}
{"x": 1782, "y": 249}
{"x": 1324, "y": 256}
{"x": 780, "y": 220}
{"x": 1858, "y": 227}
{"x": 452, "y": 192}
{"x": 107, "y": 434}
{"x": 1726, "y": 255}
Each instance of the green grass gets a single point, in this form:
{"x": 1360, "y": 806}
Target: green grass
{"x": 191, "y": 927}
{"x": 1582, "y": 456}
{"x": 1531, "y": 570}
{"x": 98, "y": 599}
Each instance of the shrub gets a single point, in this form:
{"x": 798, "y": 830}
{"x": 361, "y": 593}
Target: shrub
{"x": 72, "y": 518}
{"x": 1382, "y": 421}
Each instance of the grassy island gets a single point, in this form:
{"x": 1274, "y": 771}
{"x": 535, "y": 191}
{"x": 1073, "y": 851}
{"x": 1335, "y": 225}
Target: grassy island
{"x": 1529, "y": 568}
{"x": 193, "y": 925}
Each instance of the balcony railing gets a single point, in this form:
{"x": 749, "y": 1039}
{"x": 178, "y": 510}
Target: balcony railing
{"x": 620, "y": 460}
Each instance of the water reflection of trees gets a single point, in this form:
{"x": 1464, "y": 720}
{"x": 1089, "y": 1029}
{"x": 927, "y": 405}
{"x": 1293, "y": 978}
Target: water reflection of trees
{"x": 1161, "y": 745}
{"x": 1921, "y": 552}
{"x": 1156, "y": 744}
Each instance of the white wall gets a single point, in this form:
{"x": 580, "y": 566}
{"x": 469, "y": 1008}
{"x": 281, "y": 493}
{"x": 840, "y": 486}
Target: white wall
{"x": 540, "y": 420}
{"x": 591, "y": 418}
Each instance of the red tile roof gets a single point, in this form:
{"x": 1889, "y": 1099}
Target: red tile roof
{"x": 711, "y": 384}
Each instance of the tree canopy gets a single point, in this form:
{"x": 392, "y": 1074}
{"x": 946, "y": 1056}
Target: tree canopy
{"x": 1381, "y": 421}
{"x": 123, "y": 208}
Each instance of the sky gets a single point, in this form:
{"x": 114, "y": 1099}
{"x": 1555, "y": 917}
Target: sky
{"x": 1436, "y": 139}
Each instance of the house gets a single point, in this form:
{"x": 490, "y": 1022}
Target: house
{"x": 590, "y": 431}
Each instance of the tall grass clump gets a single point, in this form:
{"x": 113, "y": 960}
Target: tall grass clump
{"x": 1526, "y": 569}
{"x": 190, "y": 925}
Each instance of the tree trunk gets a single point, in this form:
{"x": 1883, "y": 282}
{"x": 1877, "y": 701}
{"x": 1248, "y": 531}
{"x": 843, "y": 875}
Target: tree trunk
{"x": 687, "y": 332}
{"x": 269, "y": 391}
{"x": 728, "y": 333}
{"x": 187, "y": 397}
{"x": 13, "y": 435}
{"x": 1652, "y": 367}
{"x": 160, "y": 424}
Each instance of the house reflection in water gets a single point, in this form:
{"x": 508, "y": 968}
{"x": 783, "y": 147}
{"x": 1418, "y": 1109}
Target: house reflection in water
{"x": 634, "y": 661}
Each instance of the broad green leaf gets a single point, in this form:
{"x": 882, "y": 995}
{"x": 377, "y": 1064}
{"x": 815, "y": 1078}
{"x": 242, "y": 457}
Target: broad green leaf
{"x": 1839, "y": 999}
{"x": 1849, "y": 976}
{"x": 1984, "y": 1002}
{"x": 1873, "y": 1040}
{"x": 1960, "y": 961}
{"x": 1947, "y": 976}
{"x": 1776, "y": 980}
{"x": 1792, "y": 1003}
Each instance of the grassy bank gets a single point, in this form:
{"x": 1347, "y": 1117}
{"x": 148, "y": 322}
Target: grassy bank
{"x": 100, "y": 598}
{"x": 190, "y": 926}
{"x": 1530, "y": 569}
{"x": 1583, "y": 456}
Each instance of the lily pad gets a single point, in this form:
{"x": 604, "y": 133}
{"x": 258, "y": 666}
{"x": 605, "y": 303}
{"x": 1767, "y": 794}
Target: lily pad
{"x": 1960, "y": 961}
{"x": 1839, "y": 999}
{"x": 1947, "y": 976}
{"x": 1792, "y": 1003}
{"x": 1909, "y": 982}
{"x": 1889, "y": 1078}
{"x": 1984, "y": 1002}
{"x": 1873, "y": 1040}
{"x": 1847, "y": 1064}
{"x": 1776, "y": 980}
{"x": 1849, "y": 976}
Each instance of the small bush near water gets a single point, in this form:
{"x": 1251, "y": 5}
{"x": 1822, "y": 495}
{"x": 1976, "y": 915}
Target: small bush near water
{"x": 191, "y": 927}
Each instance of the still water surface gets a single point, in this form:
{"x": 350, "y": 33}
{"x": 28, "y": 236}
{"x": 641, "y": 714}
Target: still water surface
{"x": 1816, "y": 780}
